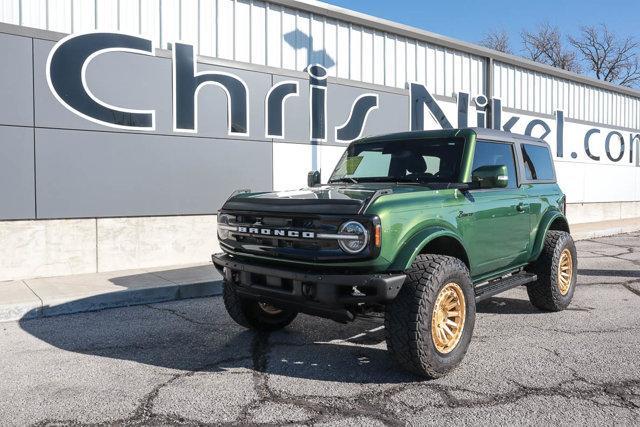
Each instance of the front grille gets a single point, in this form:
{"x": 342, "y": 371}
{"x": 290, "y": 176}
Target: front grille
{"x": 287, "y": 246}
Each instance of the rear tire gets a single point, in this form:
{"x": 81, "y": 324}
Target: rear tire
{"x": 414, "y": 315}
{"x": 253, "y": 314}
{"x": 556, "y": 268}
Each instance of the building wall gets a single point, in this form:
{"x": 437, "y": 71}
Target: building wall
{"x": 79, "y": 196}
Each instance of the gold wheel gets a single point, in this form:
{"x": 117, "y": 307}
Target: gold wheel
{"x": 447, "y": 320}
{"x": 269, "y": 309}
{"x": 565, "y": 271}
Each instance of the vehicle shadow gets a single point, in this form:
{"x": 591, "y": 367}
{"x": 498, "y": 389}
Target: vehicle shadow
{"x": 504, "y": 305}
{"x": 198, "y": 335}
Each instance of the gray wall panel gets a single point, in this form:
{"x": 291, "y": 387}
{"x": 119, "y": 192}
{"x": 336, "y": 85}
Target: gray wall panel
{"x": 16, "y": 81}
{"x": 17, "y": 199}
{"x": 89, "y": 174}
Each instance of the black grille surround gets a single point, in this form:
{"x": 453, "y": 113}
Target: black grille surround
{"x": 301, "y": 239}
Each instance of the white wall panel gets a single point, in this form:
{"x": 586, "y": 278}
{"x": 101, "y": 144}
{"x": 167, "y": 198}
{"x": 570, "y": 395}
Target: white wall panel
{"x": 129, "y": 16}
{"x": 188, "y": 18}
{"x": 207, "y": 27}
{"x": 317, "y": 53}
{"x": 378, "y": 58}
{"x": 242, "y": 29}
{"x": 343, "y": 51}
{"x": 258, "y": 29}
{"x": 411, "y": 62}
{"x": 303, "y": 40}
{"x": 225, "y": 29}
{"x": 274, "y": 36}
{"x": 107, "y": 15}
{"x": 355, "y": 53}
{"x": 10, "y": 11}
{"x": 330, "y": 46}
{"x": 367, "y": 56}
{"x": 421, "y": 63}
{"x": 448, "y": 74}
{"x": 439, "y": 73}
{"x": 289, "y": 39}
{"x": 34, "y": 13}
{"x": 389, "y": 60}
{"x": 59, "y": 13}
{"x": 84, "y": 14}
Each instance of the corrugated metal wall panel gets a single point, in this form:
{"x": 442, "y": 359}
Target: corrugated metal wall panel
{"x": 10, "y": 11}
{"x": 84, "y": 14}
{"x": 263, "y": 33}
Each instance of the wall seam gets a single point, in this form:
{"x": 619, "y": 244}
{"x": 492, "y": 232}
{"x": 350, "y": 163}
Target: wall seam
{"x": 97, "y": 258}
{"x": 33, "y": 118}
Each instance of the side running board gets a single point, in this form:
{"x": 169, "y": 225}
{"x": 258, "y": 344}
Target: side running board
{"x": 500, "y": 285}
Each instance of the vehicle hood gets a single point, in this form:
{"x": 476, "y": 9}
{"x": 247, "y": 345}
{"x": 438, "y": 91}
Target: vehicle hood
{"x": 347, "y": 199}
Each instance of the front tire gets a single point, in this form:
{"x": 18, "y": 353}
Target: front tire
{"x": 556, "y": 268}
{"x": 430, "y": 323}
{"x": 253, "y": 314}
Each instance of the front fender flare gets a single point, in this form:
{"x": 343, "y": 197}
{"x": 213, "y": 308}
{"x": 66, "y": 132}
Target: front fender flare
{"x": 416, "y": 243}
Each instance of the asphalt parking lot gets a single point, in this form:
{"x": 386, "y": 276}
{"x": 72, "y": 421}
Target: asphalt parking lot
{"x": 186, "y": 362}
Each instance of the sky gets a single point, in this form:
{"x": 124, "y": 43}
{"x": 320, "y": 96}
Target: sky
{"x": 469, "y": 20}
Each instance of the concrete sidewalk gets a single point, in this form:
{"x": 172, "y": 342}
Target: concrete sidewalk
{"x": 53, "y": 296}
{"x": 88, "y": 292}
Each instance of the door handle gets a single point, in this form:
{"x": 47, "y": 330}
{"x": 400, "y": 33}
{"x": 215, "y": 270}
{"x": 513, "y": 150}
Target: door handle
{"x": 520, "y": 207}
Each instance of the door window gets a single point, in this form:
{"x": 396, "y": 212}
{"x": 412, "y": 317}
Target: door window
{"x": 496, "y": 154}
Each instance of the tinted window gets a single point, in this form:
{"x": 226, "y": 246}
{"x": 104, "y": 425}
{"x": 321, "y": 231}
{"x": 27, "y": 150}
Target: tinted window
{"x": 495, "y": 154}
{"x": 537, "y": 162}
{"x": 429, "y": 160}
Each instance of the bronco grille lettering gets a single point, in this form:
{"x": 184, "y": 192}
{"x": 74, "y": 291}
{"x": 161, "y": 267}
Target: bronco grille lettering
{"x": 276, "y": 232}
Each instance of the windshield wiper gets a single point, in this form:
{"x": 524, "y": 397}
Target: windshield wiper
{"x": 344, "y": 179}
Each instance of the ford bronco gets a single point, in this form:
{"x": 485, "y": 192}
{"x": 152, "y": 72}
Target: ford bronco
{"x": 419, "y": 226}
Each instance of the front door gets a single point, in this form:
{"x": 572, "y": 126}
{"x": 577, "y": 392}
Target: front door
{"x": 495, "y": 222}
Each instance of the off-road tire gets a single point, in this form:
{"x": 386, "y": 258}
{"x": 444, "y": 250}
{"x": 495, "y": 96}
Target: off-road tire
{"x": 248, "y": 313}
{"x": 408, "y": 317}
{"x": 544, "y": 293}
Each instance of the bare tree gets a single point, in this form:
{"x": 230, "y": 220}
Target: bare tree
{"x": 496, "y": 40}
{"x": 611, "y": 58}
{"x": 545, "y": 45}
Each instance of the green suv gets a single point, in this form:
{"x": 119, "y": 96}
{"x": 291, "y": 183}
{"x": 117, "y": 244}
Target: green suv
{"x": 419, "y": 226}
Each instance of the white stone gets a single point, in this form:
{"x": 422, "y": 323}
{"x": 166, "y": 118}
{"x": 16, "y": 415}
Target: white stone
{"x": 155, "y": 241}
{"x": 41, "y": 248}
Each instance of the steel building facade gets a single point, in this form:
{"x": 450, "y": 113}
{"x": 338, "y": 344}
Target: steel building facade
{"x": 104, "y": 223}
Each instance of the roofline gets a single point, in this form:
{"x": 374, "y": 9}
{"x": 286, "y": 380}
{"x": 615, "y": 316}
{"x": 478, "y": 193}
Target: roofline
{"x": 336, "y": 12}
{"x": 329, "y": 10}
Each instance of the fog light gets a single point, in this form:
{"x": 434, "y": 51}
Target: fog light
{"x": 359, "y": 240}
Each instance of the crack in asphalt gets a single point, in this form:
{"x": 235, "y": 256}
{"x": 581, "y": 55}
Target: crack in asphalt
{"x": 373, "y": 403}
{"x": 182, "y": 316}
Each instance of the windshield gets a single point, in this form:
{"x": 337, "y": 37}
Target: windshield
{"x": 425, "y": 160}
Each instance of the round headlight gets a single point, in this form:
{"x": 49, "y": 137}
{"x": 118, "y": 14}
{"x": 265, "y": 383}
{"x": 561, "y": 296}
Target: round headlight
{"x": 359, "y": 240}
{"x": 223, "y": 220}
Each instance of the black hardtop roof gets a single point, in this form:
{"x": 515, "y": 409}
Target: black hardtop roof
{"x": 481, "y": 133}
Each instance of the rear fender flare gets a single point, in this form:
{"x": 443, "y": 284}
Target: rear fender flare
{"x": 547, "y": 219}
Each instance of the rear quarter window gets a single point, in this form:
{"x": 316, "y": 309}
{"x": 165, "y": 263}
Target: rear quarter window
{"x": 538, "y": 165}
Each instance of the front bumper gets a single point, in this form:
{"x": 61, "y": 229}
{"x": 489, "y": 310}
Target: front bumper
{"x": 327, "y": 295}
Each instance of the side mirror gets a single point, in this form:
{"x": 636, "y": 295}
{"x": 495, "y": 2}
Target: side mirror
{"x": 490, "y": 177}
{"x": 313, "y": 178}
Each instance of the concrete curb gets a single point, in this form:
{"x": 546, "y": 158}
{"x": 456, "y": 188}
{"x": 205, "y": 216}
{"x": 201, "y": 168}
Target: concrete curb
{"x": 10, "y": 312}
{"x": 46, "y": 297}
{"x": 131, "y": 297}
